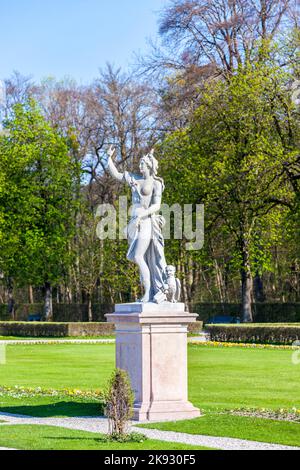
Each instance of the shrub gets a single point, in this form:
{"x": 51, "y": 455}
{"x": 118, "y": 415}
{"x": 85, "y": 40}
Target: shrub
{"x": 64, "y": 330}
{"x": 122, "y": 438}
{"x": 196, "y": 327}
{"x": 119, "y": 404}
{"x": 58, "y": 330}
{"x": 269, "y": 334}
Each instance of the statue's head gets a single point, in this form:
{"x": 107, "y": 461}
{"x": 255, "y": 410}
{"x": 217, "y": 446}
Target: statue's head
{"x": 149, "y": 163}
{"x": 171, "y": 271}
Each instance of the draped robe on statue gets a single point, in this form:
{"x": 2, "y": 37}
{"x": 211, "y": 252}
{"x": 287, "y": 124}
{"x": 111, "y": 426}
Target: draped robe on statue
{"x": 154, "y": 257}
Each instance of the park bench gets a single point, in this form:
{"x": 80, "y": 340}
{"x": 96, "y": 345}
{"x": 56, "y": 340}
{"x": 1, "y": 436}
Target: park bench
{"x": 34, "y": 318}
{"x": 222, "y": 319}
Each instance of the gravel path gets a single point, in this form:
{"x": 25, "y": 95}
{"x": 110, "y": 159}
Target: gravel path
{"x": 100, "y": 425}
{"x": 202, "y": 338}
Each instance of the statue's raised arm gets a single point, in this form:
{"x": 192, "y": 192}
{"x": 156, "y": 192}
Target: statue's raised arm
{"x": 111, "y": 167}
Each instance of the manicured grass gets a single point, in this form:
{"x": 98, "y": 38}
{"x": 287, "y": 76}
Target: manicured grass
{"x": 227, "y": 378}
{"x": 45, "y": 407}
{"x": 219, "y": 378}
{"x": 26, "y": 437}
{"x": 58, "y": 366}
{"x": 240, "y": 427}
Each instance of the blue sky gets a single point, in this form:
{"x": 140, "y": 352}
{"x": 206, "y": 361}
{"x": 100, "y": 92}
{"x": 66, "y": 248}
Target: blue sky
{"x": 73, "y": 38}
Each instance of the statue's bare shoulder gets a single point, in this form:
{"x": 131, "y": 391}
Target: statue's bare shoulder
{"x": 157, "y": 188}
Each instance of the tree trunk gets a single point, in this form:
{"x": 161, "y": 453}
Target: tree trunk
{"x": 219, "y": 283}
{"x": 68, "y": 294}
{"x": 247, "y": 284}
{"x": 48, "y": 307}
{"x": 184, "y": 288}
{"x": 247, "y": 287}
{"x": 90, "y": 312}
{"x": 259, "y": 294}
{"x": 11, "y": 300}
{"x": 30, "y": 295}
{"x": 188, "y": 269}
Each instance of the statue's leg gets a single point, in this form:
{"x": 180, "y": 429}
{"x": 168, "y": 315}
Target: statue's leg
{"x": 142, "y": 245}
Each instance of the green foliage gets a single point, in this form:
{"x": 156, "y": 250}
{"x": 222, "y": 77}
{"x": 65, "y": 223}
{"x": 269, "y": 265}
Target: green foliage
{"x": 131, "y": 437}
{"x": 119, "y": 403}
{"x": 267, "y": 334}
{"x": 35, "y": 437}
{"x": 245, "y": 155}
{"x": 55, "y": 330}
{"x": 237, "y": 156}
{"x": 36, "y": 199}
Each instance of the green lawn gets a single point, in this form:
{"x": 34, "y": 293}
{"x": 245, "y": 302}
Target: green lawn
{"x": 227, "y": 378}
{"x": 219, "y": 379}
{"x": 226, "y": 425}
{"x": 82, "y": 366}
{"x": 25, "y": 437}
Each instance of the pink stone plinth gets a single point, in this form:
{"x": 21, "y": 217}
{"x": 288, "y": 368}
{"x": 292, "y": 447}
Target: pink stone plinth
{"x": 152, "y": 347}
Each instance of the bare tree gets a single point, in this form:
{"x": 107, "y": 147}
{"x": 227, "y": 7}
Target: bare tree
{"x": 127, "y": 122}
{"x": 19, "y": 88}
{"x": 128, "y": 116}
{"x": 220, "y": 32}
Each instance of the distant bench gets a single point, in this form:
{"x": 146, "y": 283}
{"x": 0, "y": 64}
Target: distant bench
{"x": 223, "y": 320}
{"x": 34, "y": 318}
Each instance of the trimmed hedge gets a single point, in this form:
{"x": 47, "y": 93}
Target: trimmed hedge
{"x": 64, "y": 330}
{"x": 3, "y": 312}
{"x": 262, "y": 312}
{"x": 58, "y": 330}
{"x": 259, "y": 334}
{"x": 61, "y": 312}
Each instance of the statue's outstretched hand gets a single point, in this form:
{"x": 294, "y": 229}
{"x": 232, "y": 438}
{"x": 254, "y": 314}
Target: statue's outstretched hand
{"x": 111, "y": 151}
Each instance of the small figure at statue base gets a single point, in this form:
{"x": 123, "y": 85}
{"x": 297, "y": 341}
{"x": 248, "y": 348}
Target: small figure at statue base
{"x": 173, "y": 291}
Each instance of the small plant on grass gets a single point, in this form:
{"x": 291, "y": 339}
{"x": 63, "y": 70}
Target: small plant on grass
{"x": 119, "y": 408}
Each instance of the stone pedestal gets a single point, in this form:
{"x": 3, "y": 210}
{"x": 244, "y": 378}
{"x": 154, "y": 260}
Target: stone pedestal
{"x": 152, "y": 347}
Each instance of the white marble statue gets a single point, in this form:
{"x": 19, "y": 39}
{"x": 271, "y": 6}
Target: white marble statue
{"x": 144, "y": 232}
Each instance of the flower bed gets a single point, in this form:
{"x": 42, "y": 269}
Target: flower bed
{"x": 292, "y": 415}
{"x": 26, "y": 392}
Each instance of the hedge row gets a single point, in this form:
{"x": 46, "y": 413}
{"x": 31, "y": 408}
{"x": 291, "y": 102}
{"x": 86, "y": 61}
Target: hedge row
{"x": 3, "y": 312}
{"x": 57, "y": 330}
{"x": 262, "y": 312}
{"x": 63, "y": 330}
{"x": 254, "y": 334}
{"x": 61, "y": 312}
